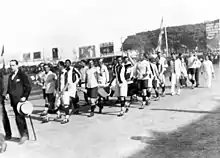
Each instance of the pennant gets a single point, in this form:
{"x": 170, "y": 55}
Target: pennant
{"x": 3, "y": 50}
{"x": 159, "y": 43}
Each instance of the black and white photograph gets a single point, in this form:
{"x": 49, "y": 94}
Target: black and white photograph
{"x": 110, "y": 79}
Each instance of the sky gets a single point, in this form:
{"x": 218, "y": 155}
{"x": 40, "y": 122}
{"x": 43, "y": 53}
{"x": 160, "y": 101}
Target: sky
{"x": 39, "y": 25}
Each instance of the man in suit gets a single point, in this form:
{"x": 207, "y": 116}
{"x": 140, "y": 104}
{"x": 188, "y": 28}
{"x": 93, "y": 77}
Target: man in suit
{"x": 3, "y": 91}
{"x": 19, "y": 88}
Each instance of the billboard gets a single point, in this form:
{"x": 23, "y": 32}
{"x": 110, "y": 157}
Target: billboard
{"x": 213, "y": 35}
{"x": 26, "y": 56}
{"x": 55, "y": 53}
{"x": 87, "y": 52}
{"x": 106, "y": 49}
{"x": 37, "y": 55}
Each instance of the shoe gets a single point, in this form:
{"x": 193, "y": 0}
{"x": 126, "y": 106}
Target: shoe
{"x": 143, "y": 105}
{"x": 91, "y": 114}
{"x": 3, "y": 147}
{"x": 23, "y": 140}
{"x": 126, "y": 109}
{"x": 58, "y": 117}
{"x": 100, "y": 110}
{"x": 121, "y": 113}
{"x": 45, "y": 120}
{"x": 44, "y": 113}
{"x": 162, "y": 95}
{"x": 172, "y": 94}
{"x": 157, "y": 98}
{"x": 76, "y": 112}
{"x": 7, "y": 137}
{"x": 64, "y": 121}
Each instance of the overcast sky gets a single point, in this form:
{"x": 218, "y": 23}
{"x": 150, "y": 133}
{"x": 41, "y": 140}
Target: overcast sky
{"x": 38, "y": 25}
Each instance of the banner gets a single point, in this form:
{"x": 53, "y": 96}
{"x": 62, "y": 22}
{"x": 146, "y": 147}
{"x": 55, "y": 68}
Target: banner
{"x": 87, "y": 52}
{"x": 159, "y": 43}
{"x": 3, "y": 50}
{"x": 213, "y": 35}
{"x": 37, "y": 55}
{"x": 55, "y": 53}
{"x": 26, "y": 56}
{"x": 106, "y": 49}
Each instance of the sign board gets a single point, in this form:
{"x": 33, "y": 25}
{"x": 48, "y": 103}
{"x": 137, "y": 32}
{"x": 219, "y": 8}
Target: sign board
{"x": 37, "y": 55}
{"x": 55, "y": 53}
{"x": 26, "y": 56}
{"x": 213, "y": 35}
{"x": 106, "y": 49}
{"x": 87, "y": 52}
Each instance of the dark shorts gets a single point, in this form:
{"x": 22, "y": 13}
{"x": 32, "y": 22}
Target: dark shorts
{"x": 155, "y": 83}
{"x": 191, "y": 71}
{"x": 44, "y": 93}
{"x": 133, "y": 88}
{"x": 92, "y": 92}
{"x": 143, "y": 84}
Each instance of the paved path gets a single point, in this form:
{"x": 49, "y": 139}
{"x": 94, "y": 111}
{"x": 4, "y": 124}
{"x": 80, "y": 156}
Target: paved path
{"x": 109, "y": 136}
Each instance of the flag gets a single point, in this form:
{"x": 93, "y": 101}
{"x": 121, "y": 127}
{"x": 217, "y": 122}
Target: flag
{"x": 159, "y": 43}
{"x": 3, "y": 50}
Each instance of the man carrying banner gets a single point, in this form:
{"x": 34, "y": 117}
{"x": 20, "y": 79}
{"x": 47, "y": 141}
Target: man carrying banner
{"x": 161, "y": 66}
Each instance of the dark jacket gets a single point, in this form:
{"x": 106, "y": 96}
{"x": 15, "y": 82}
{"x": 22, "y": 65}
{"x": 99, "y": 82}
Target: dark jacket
{"x": 3, "y": 85}
{"x": 19, "y": 87}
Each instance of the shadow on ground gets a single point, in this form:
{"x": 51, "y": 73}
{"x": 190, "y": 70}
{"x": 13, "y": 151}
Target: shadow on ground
{"x": 199, "y": 139}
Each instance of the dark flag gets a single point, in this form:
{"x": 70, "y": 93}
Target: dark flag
{"x": 3, "y": 50}
{"x": 55, "y": 53}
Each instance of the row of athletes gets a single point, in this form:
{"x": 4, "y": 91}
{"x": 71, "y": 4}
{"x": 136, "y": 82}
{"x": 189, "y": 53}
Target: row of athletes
{"x": 130, "y": 79}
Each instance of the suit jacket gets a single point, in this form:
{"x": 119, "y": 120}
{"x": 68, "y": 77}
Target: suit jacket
{"x": 3, "y": 85}
{"x": 19, "y": 87}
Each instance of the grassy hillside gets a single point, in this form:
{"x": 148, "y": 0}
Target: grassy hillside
{"x": 188, "y": 36}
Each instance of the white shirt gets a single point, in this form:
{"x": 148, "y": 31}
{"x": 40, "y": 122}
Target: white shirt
{"x": 40, "y": 78}
{"x": 103, "y": 74}
{"x": 91, "y": 77}
{"x": 83, "y": 73}
{"x": 191, "y": 62}
{"x": 15, "y": 73}
{"x": 50, "y": 82}
{"x": 207, "y": 67}
{"x": 198, "y": 63}
{"x": 141, "y": 69}
{"x": 62, "y": 79}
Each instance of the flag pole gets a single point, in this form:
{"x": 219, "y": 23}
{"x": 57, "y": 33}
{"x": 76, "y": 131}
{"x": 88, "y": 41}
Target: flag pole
{"x": 165, "y": 29}
{"x": 2, "y": 54}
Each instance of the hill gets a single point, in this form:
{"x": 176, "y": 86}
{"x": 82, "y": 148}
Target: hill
{"x": 180, "y": 38}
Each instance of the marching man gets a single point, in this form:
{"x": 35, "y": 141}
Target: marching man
{"x": 73, "y": 76}
{"x": 161, "y": 67}
{"x": 176, "y": 72}
{"x": 121, "y": 85}
{"x": 63, "y": 98}
{"x": 91, "y": 84}
{"x": 103, "y": 79}
{"x": 50, "y": 87}
{"x": 207, "y": 68}
{"x": 143, "y": 74}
